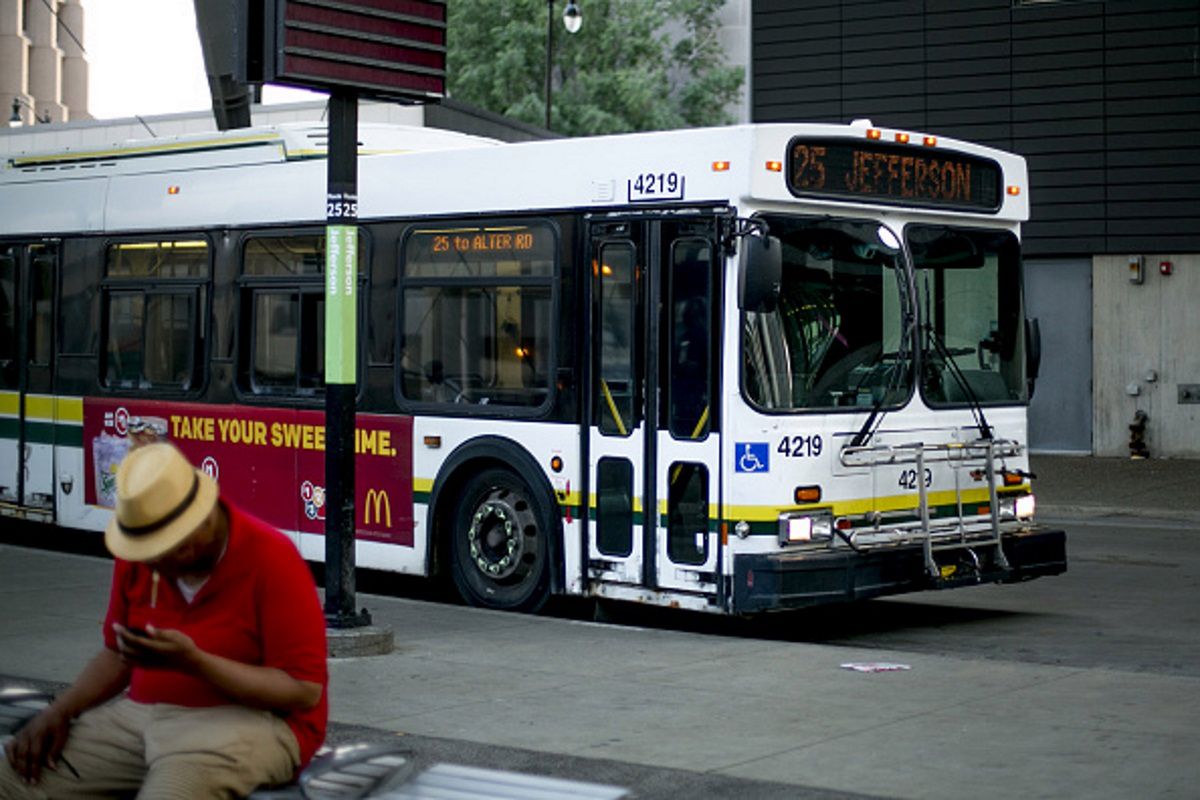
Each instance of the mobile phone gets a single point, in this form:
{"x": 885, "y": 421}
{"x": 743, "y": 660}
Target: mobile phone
{"x": 137, "y": 631}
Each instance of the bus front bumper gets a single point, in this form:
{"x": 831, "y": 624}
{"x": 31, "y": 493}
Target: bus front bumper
{"x": 771, "y": 581}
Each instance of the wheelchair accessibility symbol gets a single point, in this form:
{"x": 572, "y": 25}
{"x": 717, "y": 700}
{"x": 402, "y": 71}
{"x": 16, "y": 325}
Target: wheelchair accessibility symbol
{"x": 752, "y": 457}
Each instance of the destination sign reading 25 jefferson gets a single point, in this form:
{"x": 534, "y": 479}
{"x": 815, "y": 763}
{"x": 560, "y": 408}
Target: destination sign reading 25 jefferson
{"x": 842, "y": 169}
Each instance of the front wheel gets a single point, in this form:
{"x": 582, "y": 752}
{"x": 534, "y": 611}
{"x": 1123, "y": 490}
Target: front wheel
{"x": 500, "y": 548}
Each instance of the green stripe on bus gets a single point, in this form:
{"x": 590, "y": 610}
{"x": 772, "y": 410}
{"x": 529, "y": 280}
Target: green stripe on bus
{"x": 43, "y": 433}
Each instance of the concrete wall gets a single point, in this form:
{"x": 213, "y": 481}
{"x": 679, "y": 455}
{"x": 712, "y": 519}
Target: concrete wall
{"x": 42, "y": 63}
{"x": 45, "y": 62}
{"x": 1147, "y": 342}
{"x": 735, "y": 41}
{"x": 14, "y": 60}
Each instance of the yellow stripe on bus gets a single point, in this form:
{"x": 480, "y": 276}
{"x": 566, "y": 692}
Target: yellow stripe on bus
{"x": 39, "y": 407}
{"x": 43, "y": 407}
{"x": 569, "y": 499}
{"x": 637, "y": 503}
{"x": 164, "y": 148}
{"x": 68, "y": 409}
{"x": 849, "y": 508}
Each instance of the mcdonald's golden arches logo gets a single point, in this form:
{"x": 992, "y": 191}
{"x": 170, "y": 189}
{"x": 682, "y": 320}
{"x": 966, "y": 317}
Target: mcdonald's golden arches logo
{"x": 378, "y": 506}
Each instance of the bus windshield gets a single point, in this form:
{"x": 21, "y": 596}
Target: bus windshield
{"x": 836, "y": 337}
{"x": 969, "y": 298}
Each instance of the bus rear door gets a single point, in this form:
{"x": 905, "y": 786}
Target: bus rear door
{"x": 27, "y": 407}
{"x": 653, "y": 452}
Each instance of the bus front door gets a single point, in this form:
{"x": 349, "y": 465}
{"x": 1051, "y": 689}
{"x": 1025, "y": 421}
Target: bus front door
{"x": 617, "y": 442}
{"x": 27, "y": 407}
{"x": 687, "y": 449}
{"x": 653, "y": 452}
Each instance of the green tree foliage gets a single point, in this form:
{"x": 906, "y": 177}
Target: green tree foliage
{"x": 634, "y": 65}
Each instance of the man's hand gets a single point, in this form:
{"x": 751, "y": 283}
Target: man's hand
{"x": 38, "y": 744}
{"x": 156, "y": 648}
{"x": 249, "y": 684}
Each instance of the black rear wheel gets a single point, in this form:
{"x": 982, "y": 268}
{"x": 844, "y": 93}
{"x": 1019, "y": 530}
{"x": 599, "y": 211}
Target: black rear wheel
{"x": 500, "y": 548}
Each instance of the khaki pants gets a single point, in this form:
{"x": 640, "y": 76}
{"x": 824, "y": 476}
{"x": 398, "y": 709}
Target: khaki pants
{"x": 123, "y": 749}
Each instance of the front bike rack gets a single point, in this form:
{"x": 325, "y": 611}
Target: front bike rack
{"x": 976, "y": 454}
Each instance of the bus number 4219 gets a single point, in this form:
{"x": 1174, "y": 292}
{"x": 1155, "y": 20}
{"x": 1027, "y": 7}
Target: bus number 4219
{"x": 908, "y": 479}
{"x": 800, "y": 446}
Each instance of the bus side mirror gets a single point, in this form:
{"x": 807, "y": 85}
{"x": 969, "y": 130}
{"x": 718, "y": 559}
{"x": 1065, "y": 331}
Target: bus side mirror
{"x": 760, "y": 273}
{"x": 1033, "y": 352}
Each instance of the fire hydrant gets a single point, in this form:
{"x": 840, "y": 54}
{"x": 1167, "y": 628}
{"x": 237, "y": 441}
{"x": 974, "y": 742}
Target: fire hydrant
{"x": 1137, "y": 436}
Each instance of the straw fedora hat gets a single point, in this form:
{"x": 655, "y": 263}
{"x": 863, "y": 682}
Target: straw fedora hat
{"x": 161, "y": 500}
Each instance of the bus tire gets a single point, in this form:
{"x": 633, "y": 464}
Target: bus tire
{"x": 499, "y": 548}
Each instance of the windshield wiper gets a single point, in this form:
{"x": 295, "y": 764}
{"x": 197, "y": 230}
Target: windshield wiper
{"x": 875, "y": 418}
{"x": 985, "y": 430}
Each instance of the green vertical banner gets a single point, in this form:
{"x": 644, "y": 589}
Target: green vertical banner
{"x": 341, "y": 281}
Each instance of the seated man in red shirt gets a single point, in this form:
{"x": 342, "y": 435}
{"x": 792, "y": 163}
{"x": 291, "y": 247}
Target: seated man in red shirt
{"x": 214, "y": 640}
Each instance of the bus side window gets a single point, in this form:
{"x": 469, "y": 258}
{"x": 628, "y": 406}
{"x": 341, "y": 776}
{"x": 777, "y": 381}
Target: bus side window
{"x": 43, "y": 259}
{"x": 690, "y": 329}
{"x": 614, "y": 507}
{"x": 687, "y": 513}
{"x": 154, "y": 313}
{"x": 476, "y": 306}
{"x": 8, "y": 318}
{"x": 282, "y": 349}
{"x": 616, "y": 292}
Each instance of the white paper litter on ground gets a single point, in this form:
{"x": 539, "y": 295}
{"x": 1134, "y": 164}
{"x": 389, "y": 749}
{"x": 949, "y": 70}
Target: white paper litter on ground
{"x": 875, "y": 666}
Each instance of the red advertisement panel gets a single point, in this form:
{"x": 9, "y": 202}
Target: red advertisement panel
{"x": 269, "y": 461}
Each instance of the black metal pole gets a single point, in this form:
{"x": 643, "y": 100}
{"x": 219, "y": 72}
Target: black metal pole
{"x": 549, "y": 54}
{"x": 341, "y": 359}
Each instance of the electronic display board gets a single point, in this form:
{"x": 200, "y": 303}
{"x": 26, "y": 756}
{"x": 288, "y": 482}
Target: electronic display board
{"x": 845, "y": 169}
{"x": 381, "y": 48}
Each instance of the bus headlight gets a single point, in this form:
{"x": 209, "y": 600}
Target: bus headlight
{"x": 1021, "y": 507}
{"x": 799, "y": 527}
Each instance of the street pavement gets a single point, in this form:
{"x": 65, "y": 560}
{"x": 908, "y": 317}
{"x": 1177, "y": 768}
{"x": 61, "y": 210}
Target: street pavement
{"x": 674, "y": 713}
{"x": 1077, "y": 486}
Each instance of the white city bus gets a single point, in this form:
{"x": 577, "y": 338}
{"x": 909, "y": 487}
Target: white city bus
{"x": 730, "y": 370}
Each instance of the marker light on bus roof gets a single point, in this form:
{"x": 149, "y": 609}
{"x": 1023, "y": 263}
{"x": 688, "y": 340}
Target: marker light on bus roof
{"x": 720, "y": 166}
{"x": 774, "y": 166}
{"x": 172, "y": 190}
{"x": 902, "y": 138}
{"x": 874, "y": 133}
{"x": 930, "y": 141}
{"x": 1014, "y": 190}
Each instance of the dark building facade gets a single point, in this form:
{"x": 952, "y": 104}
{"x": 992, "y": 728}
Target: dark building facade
{"x": 1103, "y": 100}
